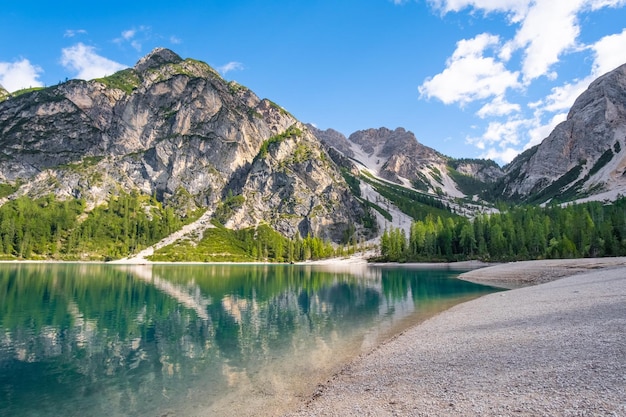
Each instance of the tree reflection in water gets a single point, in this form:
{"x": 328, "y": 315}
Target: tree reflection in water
{"x": 124, "y": 340}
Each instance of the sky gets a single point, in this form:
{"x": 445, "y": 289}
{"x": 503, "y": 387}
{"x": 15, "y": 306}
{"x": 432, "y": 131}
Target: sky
{"x": 470, "y": 78}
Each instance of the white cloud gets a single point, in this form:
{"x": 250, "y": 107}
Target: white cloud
{"x": 505, "y": 155}
{"x": 498, "y": 107}
{"x": 128, "y": 34}
{"x": 500, "y": 133}
{"x": 506, "y": 132}
{"x": 20, "y": 74}
{"x": 541, "y": 131}
{"x": 70, "y": 33}
{"x": 87, "y": 64}
{"x": 545, "y": 32}
{"x": 562, "y": 97}
{"x": 610, "y": 53}
{"x": 175, "y": 40}
{"x": 548, "y": 30}
{"x": 134, "y": 37}
{"x": 231, "y": 66}
{"x": 515, "y": 9}
{"x": 470, "y": 75}
{"x": 599, "y": 4}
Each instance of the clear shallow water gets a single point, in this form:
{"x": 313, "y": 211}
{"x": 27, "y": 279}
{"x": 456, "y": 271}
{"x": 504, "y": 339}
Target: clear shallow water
{"x": 180, "y": 340}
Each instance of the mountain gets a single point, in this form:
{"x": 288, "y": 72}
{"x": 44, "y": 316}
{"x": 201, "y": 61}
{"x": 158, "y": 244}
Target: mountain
{"x": 397, "y": 156}
{"x": 584, "y": 156}
{"x": 169, "y": 143}
{"x": 172, "y": 128}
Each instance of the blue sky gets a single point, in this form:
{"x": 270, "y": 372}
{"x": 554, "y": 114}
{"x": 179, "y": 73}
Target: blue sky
{"x": 471, "y": 78}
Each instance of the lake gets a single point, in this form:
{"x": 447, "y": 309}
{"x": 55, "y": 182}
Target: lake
{"x": 185, "y": 340}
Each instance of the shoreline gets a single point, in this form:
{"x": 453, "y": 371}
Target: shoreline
{"x": 549, "y": 348}
{"x": 489, "y": 356}
{"x": 525, "y": 273}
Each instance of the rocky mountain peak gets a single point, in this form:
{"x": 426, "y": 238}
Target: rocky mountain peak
{"x": 582, "y": 154}
{"x": 607, "y": 88}
{"x": 176, "y": 130}
{"x": 333, "y": 138}
{"x": 157, "y": 58}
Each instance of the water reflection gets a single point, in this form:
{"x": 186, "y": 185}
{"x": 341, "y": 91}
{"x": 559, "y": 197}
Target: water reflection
{"x": 146, "y": 340}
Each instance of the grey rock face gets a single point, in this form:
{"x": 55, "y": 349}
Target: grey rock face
{"x": 173, "y": 128}
{"x": 482, "y": 170}
{"x": 402, "y": 154}
{"x": 397, "y": 156}
{"x": 296, "y": 186}
{"x": 595, "y": 125}
{"x": 331, "y": 137}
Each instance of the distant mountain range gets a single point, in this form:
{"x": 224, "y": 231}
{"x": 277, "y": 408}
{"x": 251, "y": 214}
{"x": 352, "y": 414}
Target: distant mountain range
{"x": 583, "y": 158}
{"x": 174, "y": 129}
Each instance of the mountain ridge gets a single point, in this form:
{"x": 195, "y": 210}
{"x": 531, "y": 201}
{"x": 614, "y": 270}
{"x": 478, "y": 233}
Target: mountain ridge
{"x": 582, "y": 159}
{"x": 175, "y": 129}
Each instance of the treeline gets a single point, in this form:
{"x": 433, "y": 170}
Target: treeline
{"x": 36, "y": 227}
{"x": 125, "y": 225}
{"x": 46, "y": 228}
{"x": 261, "y": 243}
{"x": 525, "y": 232}
{"x": 265, "y": 244}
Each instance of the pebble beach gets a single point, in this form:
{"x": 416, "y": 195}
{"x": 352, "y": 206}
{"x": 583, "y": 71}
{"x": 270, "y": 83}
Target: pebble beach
{"x": 556, "y": 346}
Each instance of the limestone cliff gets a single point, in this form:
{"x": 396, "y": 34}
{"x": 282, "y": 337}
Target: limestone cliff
{"x": 397, "y": 156}
{"x": 173, "y": 128}
{"x": 584, "y": 155}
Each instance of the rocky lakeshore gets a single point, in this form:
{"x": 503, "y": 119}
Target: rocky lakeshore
{"x": 556, "y": 349}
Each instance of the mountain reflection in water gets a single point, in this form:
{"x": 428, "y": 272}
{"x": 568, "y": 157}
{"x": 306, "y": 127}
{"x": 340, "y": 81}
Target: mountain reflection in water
{"x": 111, "y": 340}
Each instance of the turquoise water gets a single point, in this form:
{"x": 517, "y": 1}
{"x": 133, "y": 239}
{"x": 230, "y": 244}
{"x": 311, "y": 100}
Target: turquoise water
{"x": 181, "y": 340}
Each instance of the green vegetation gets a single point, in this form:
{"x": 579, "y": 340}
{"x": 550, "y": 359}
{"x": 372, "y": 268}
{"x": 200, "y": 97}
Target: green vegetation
{"x": 421, "y": 182}
{"x": 467, "y": 184}
{"x": 369, "y": 221}
{"x": 206, "y": 68}
{"x": 555, "y": 190}
{"x": 353, "y": 182}
{"x": 455, "y": 163}
{"x": 291, "y": 132}
{"x": 126, "y": 80}
{"x": 125, "y": 225}
{"x": 26, "y": 91}
{"x": 218, "y": 244}
{"x": 46, "y": 228}
{"x": 235, "y": 88}
{"x": 4, "y": 94}
{"x": 86, "y": 162}
{"x": 31, "y": 229}
{"x": 522, "y": 232}
{"x": 261, "y": 243}
{"x": 436, "y": 174}
{"x": 228, "y": 207}
{"x": 604, "y": 159}
{"x": 279, "y": 108}
{"x": 8, "y": 189}
{"x": 410, "y": 202}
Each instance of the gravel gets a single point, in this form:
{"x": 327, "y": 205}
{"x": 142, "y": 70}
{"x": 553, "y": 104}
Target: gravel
{"x": 556, "y": 349}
